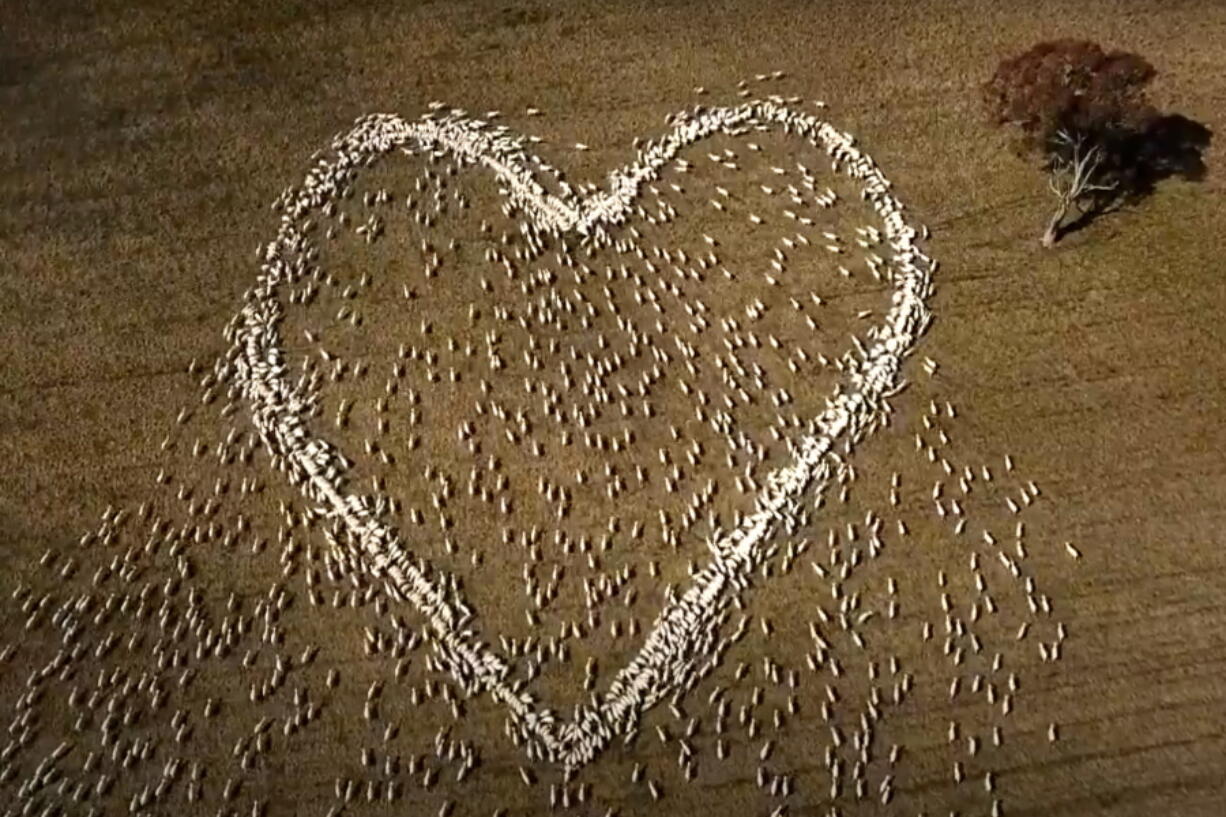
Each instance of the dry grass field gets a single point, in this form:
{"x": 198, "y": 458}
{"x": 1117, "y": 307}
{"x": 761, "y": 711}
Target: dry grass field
{"x": 142, "y": 144}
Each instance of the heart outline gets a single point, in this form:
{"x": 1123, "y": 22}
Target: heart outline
{"x": 686, "y": 627}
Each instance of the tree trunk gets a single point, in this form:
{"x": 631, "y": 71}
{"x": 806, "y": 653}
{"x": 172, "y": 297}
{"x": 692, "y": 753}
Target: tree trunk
{"x": 1053, "y": 226}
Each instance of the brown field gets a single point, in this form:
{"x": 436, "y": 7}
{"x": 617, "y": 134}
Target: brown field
{"x": 142, "y": 146}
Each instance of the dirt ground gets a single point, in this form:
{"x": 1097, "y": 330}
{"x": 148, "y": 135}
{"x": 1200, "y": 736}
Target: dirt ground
{"x": 142, "y": 146}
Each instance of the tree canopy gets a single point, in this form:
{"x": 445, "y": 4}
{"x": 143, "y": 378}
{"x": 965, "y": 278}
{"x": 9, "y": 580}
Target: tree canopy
{"x": 1085, "y": 114}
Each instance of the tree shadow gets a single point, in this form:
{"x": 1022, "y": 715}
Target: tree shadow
{"x": 1172, "y": 145}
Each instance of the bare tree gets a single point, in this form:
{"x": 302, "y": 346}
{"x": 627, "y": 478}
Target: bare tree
{"x": 1085, "y": 115}
{"x": 1071, "y": 178}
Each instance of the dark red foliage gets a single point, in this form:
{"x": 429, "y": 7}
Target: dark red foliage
{"x": 1075, "y": 86}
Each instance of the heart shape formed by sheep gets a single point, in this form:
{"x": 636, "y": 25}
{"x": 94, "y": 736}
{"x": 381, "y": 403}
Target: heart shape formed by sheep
{"x": 683, "y": 644}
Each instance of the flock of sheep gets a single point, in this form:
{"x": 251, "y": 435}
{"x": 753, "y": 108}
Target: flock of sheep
{"x": 673, "y": 652}
{"x": 585, "y": 381}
